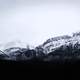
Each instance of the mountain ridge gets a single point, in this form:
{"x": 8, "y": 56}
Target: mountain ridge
{"x": 51, "y": 49}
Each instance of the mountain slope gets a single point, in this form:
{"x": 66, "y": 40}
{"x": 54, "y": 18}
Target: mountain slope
{"x": 54, "y": 43}
{"x": 57, "y": 48}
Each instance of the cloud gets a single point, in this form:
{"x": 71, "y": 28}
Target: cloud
{"x": 33, "y": 21}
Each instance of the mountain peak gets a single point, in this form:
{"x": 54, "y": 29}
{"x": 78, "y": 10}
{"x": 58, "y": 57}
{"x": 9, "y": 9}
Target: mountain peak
{"x": 56, "y": 42}
{"x": 11, "y": 44}
{"x": 56, "y": 39}
{"x": 76, "y": 34}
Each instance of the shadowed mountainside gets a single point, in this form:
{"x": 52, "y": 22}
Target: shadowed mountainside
{"x": 57, "y": 49}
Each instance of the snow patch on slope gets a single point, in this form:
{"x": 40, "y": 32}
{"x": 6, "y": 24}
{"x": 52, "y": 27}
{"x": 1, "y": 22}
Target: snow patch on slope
{"x": 54, "y": 43}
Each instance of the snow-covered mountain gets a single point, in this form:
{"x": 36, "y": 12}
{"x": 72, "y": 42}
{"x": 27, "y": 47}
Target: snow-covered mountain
{"x": 11, "y": 44}
{"x": 56, "y": 42}
{"x": 19, "y": 51}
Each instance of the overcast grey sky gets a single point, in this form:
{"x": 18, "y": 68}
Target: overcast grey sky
{"x": 34, "y": 21}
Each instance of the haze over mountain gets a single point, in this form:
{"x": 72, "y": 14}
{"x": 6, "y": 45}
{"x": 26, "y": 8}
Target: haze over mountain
{"x": 45, "y": 24}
